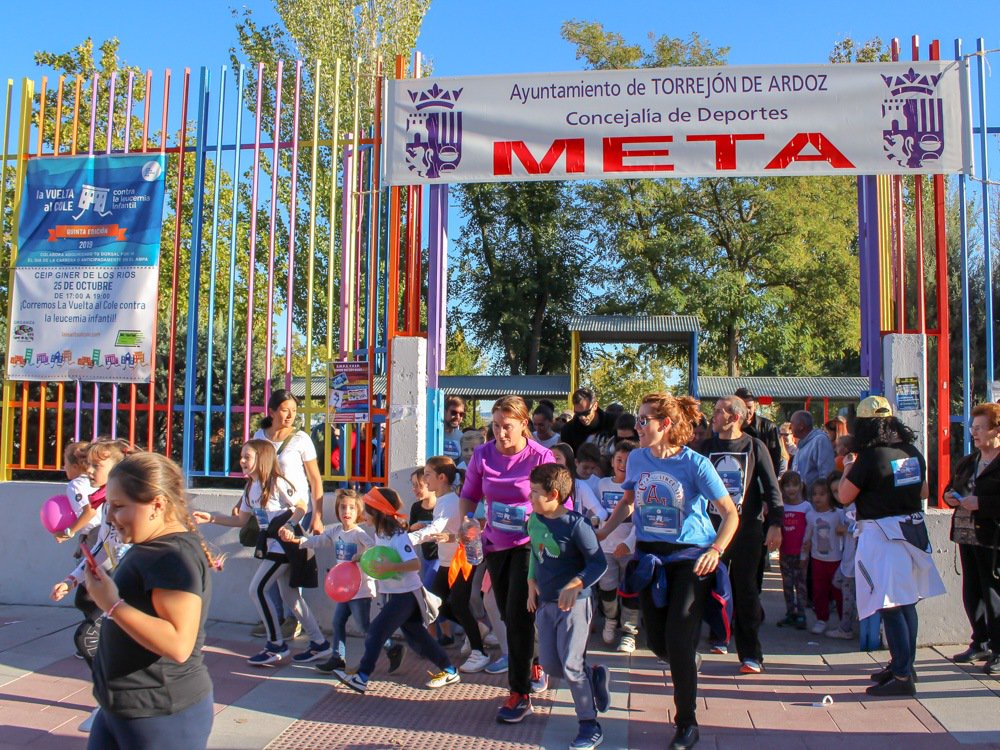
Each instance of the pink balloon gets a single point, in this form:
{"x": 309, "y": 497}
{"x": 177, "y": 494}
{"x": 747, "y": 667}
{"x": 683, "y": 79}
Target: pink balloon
{"x": 343, "y": 581}
{"x": 57, "y": 514}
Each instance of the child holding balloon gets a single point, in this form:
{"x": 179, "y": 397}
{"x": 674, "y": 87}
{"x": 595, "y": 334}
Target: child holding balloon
{"x": 79, "y": 489}
{"x": 273, "y": 500}
{"x": 102, "y": 456}
{"x": 405, "y": 606}
{"x": 346, "y": 583}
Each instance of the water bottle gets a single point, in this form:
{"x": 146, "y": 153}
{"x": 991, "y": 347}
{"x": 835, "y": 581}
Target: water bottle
{"x": 472, "y": 540}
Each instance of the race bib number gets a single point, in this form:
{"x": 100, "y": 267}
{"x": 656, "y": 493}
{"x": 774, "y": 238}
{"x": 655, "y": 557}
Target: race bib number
{"x": 610, "y": 498}
{"x": 509, "y": 518}
{"x": 660, "y": 520}
{"x": 906, "y": 471}
{"x": 261, "y": 518}
{"x": 823, "y": 545}
{"x": 345, "y": 551}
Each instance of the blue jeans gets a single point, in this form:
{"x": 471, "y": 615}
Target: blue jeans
{"x": 901, "y": 633}
{"x": 401, "y": 611}
{"x": 361, "y": 611}
{"x": 185, "y": 730}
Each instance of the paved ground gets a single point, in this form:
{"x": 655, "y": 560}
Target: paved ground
{"x": 45, "y": 694}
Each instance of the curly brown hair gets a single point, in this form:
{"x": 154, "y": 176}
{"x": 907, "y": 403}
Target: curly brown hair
{"x": 683, "y": 412}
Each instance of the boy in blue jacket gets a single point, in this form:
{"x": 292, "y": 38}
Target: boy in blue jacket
{"x": 566, "y": 561}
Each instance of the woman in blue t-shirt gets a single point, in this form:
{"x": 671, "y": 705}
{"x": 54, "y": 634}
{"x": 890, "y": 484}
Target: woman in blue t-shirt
{"x": 668, "y": 487}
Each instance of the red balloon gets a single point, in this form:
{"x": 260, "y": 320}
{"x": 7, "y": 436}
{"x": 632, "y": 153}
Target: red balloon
{"x": 343, "y": 581}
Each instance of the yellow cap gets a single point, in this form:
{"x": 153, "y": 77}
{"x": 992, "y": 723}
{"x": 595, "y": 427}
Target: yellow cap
{"x": 874, "y": 406}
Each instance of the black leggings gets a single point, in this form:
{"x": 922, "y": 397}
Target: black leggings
{"x": 981, "y": 595}
{"x": 509, "y": 577}
{"x": 672, "y": 632}
{"x": 456, "y": 604}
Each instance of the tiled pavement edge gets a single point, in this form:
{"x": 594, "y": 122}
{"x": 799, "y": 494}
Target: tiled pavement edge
{"x": 45, "y": 694}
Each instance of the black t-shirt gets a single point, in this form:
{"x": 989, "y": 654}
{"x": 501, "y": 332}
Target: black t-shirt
{"x": 129, "y": 680}
{"x": 745, "y": 467}
{"x": 890, "y": 479}
{"x": 418, "y": 514}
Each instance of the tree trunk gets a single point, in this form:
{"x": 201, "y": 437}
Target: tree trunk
{"x": 733, "y": 341}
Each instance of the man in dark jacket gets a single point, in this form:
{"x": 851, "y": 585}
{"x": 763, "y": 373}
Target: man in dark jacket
{"x": 589, "y": 422}
{"x": 745, "y": 466}
{"x": 761, "y": 427}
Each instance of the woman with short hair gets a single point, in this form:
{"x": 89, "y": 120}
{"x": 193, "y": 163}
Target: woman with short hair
{"x": 974, "y": 493}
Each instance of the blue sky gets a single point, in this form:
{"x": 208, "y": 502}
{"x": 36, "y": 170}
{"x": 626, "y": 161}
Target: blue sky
{"x": 467, "y": 37}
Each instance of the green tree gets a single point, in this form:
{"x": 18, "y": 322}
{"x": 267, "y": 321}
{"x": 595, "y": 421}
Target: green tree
{"x": 463, "y": 358}
{"x": 522, "y": 270}
{"x": 626, "y": 374}
{"x": 766, "y": 264}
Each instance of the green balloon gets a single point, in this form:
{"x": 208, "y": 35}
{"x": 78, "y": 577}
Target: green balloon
{"x": 379, "y": 554}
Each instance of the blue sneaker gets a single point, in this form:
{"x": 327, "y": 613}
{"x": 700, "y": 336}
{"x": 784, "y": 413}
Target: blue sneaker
{"x": 589, "y": 736}
{"x": 599, "y": 680}
{"x": 497, "y": 667}
{"x": 516, "y": 708}
{"x": 271, "y": 656}
{"x": 315, "y": 652}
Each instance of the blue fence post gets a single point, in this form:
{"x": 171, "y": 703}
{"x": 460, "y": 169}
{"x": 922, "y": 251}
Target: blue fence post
{"x": 191, "y": 349}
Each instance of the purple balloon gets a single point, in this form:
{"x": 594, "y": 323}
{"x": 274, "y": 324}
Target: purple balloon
{"x": 57, "y": 514}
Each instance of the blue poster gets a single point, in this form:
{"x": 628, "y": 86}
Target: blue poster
{"x": 85, "y": 280}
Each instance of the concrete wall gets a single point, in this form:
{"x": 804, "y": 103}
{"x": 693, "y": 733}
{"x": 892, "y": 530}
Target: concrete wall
{"x": 32, "y": 562}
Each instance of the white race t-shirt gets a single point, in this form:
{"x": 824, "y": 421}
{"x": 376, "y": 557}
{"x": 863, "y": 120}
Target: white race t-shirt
{"x": 548, "y": 442}
{"x": 292, "y": 460}
{"x": 409, "y": 581}
{"x": 79, "y": 491}
{"x": 609, "y": 493}
{"x": 281, "y": 500}
{"x": 347, "y": 545}
{"x": 453, "y": 443}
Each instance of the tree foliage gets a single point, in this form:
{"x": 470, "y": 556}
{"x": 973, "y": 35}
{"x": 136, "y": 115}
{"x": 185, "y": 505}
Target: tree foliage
{"x": 522, "y": 271}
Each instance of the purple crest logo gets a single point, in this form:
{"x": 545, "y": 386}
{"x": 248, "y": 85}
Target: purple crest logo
{"x": 434, "y": 132}
{"x": 912, "y": 120}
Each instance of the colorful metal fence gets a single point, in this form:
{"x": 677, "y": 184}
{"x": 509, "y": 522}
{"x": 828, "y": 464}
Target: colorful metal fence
{"x": 280, "y": 252}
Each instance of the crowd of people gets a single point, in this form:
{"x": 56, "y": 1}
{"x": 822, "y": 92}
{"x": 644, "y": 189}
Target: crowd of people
{"x": 522, "y": 537}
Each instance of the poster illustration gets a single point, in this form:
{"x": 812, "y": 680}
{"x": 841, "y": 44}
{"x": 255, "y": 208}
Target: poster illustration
{"x": 85, "y": 280}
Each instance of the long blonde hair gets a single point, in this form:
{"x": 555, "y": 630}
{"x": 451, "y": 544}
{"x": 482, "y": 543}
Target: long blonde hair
{"x": 268, "y": 469}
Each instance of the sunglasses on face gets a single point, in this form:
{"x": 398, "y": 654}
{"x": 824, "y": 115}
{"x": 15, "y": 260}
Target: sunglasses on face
{"x": 456, "y": 413}
{"x": 643, "y": 421}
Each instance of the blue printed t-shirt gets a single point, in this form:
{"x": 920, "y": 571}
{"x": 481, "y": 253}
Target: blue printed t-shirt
{"x": 672, "y": 496}
{"x": 503, "y": 481}
{"x": 563, "y": 548}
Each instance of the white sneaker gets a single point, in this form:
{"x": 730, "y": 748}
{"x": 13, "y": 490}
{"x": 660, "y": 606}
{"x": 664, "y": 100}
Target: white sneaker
{"x": 819, "y": 627}
{"x": 477, "y": 662}
{"x": 627, "y": 644}
{"x": 838, "y": 633}
{"x": 490, "y": 639}
{"x": 466, "y": 647}
{"x": 608, "y": 634}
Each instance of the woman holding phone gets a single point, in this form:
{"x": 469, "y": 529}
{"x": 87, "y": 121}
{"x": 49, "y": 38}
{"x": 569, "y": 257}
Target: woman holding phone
{"x": 150, "y": 679}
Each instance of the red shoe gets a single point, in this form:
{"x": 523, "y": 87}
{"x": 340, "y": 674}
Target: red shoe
{"x": 516, "y": 708}
{"x": 539, "y": 680}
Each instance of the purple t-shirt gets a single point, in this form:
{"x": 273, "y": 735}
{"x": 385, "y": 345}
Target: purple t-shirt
{"x": 503, "y": 481}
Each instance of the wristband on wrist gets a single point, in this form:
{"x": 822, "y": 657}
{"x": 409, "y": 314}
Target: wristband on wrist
{"x": 716, "y": 547}
{"x": 110, "y": 613}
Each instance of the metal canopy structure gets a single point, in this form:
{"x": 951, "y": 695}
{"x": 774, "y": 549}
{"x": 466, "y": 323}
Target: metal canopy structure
{"x": 634, "y": 329}
{"x": 788, "y": 388}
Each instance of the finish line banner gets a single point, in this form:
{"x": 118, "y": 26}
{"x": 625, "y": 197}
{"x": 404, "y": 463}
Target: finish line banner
{"x": 887, "y": 118}
{"x": 85, "y": 282}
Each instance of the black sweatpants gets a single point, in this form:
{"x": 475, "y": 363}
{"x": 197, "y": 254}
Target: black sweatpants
{"x": 456, "y": 603}
{"x": 672, "y": 632}
{"x": 743, "y": 558}
{"x": 981, "y": 595}
{"x": 509, "y": 577}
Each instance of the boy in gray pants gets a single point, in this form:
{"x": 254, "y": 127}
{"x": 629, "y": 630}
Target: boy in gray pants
{"x": 566, "y": 561}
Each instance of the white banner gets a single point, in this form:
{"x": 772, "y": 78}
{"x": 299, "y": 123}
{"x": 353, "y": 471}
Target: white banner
{"x": 886, "y": 118}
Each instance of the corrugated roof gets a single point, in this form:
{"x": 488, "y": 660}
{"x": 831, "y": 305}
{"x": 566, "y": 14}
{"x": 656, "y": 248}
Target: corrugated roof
{"x": 469, "y": 386}
{"x": 787, "y": 389}
{"x": 495, "y": 386}
{"x": 634, "y": 329}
